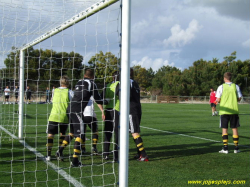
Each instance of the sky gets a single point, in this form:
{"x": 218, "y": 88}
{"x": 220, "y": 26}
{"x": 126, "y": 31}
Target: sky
{"x": 178, "y": 33}
{"x": 163, "y": 32}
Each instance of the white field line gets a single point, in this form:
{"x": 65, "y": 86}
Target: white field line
{"x": 191, "y": 136}
{"x": 64, "y": 174}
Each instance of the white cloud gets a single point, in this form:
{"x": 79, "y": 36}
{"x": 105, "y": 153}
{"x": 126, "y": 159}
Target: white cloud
{"x": 181, "y": 37}
{"x": 246, "y": 43}
{"x": 155, "y": 64}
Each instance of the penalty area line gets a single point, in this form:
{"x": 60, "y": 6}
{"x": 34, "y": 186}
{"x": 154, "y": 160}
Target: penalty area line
{"x": 190, "y": 136}
{"x": 64, "y": 174}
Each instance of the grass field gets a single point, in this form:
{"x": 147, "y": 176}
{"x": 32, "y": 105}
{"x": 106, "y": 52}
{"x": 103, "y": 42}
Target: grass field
{"x": 182, "y": 141}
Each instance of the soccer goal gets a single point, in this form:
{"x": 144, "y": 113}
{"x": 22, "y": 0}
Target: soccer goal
{"x": 40, "y": 42}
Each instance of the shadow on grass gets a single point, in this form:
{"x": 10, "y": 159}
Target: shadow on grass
{"x": 184, "y": 150}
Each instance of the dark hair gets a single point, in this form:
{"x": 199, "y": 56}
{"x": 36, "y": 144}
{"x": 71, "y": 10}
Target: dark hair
{"x": 116, "y": 76}
{"x": 228, "y": 76}
{"x": 89, "y": 73}
{"x": 131, "y": 73}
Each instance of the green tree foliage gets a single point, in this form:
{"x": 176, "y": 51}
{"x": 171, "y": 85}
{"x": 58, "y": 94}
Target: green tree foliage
{"x": 104, "y": 65}
{"x": 143, "y": 77}
{"x": 44, "y": 68}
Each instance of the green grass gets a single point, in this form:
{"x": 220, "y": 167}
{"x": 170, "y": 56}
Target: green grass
{"x": 182, "y": 141}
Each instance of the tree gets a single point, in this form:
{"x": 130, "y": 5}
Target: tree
{"x": 45, "y": 67}
{"x": 105, "y": 65}
{"x": 143, "y": 77}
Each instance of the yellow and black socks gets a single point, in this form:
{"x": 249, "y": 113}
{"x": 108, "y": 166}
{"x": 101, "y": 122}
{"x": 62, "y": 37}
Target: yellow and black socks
{"x": 236, "y": 141}
{"x": 225, "y": 141}
{"x": 65, "y": 142}
{"x": 139, "y": 145}
{"x": 61, "y": 138}
{"x": 77, "y": 150}
{"x": 94, "y": 139}
{"x": 49, "y": 145}
{"x": 83, "y": 137}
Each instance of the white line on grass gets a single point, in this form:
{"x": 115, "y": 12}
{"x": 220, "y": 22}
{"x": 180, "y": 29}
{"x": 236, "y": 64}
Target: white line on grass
{"x": 64, "y": 174}
{"x": 190, "y": 136}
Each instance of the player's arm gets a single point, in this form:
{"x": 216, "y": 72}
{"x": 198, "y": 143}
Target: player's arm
{"x": 239, "y": 94}
{"x": 97, "y": 96}
{"x": 117, "y": 90}
{"x": 219, "y": 93}
{"x": 101, "y": 109}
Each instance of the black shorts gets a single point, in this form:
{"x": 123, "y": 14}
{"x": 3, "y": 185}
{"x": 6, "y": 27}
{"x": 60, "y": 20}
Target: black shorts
{"x": 28, "y": 97}
{"x": 76, "y": 124}
{"x": 134, "y": 123}
{"x": 7, "y": 97}
{"x": 233, "y": 119}
{"x": 16, "y": 96}
{"x": 53, "y": 127}
{"x": 213, "y": 105}
{"x": 91, "y": 122}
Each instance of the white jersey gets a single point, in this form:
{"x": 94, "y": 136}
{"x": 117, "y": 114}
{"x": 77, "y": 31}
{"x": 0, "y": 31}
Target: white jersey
{"x": 89, "y": 109}
{"x": 6, "y": 91}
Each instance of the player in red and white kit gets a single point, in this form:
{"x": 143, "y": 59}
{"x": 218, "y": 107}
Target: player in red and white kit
{"x": 213, "y": 102}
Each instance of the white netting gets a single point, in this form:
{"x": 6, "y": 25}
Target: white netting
{"x": 93, "y": 43}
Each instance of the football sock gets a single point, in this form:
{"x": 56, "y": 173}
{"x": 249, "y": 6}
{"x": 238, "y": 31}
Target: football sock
{"x": 49, "y": 145}
{"x": 94, "y": 139}
{"x": 83, "y": 137}
{"x": 139, "y": 144}
{"x": 65, "y": 142}
{"x": 138, "y": 152}
{"x": 225, "y": 141}
{"x": 236, "y": 140}
{"x": 77, "y": 150}
{"x": 61, "y": 138}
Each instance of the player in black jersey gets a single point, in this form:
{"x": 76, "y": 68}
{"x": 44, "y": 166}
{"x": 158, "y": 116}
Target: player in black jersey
{"x": 84, "y": 89}
{"x": 135, "y": 118}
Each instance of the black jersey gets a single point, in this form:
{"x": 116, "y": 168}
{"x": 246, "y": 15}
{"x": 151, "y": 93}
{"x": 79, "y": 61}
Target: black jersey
{"x": 28, "y": 92}
{"x": 84, "y": 89}
{"x": 135, "y": 103}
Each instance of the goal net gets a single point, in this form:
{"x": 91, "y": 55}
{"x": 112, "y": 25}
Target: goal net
{"x": 40, "y": 42}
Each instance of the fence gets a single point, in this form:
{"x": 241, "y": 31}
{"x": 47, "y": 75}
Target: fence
{"x": 184, "y": 99}
{"x": 36, "y": 97}
{"x": 41, "y": 97}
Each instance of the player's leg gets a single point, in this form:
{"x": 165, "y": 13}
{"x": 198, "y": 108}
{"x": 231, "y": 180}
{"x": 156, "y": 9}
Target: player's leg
{"x": 234, "y": 124}
{"x": 215, "y": 111}
{"x": 94, "y": 129}
{"x": 78, "y": 125}
{"x": 116, "y": 130}
{"x": 108, "y": 130}
{"x": 83, "y": 137}
{"x": 224, "y": 119}
{"x": 134, "y": 122}
{"x": 52, "y": 130}
{"x": 65, "y": 143}
{"x": 63, "y": 129}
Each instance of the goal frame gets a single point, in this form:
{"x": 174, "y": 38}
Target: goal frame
{"x": 125, "y": 76}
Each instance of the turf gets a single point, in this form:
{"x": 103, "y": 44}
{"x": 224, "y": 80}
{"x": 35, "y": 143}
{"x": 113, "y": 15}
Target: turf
{"x": 181, "y": 140}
